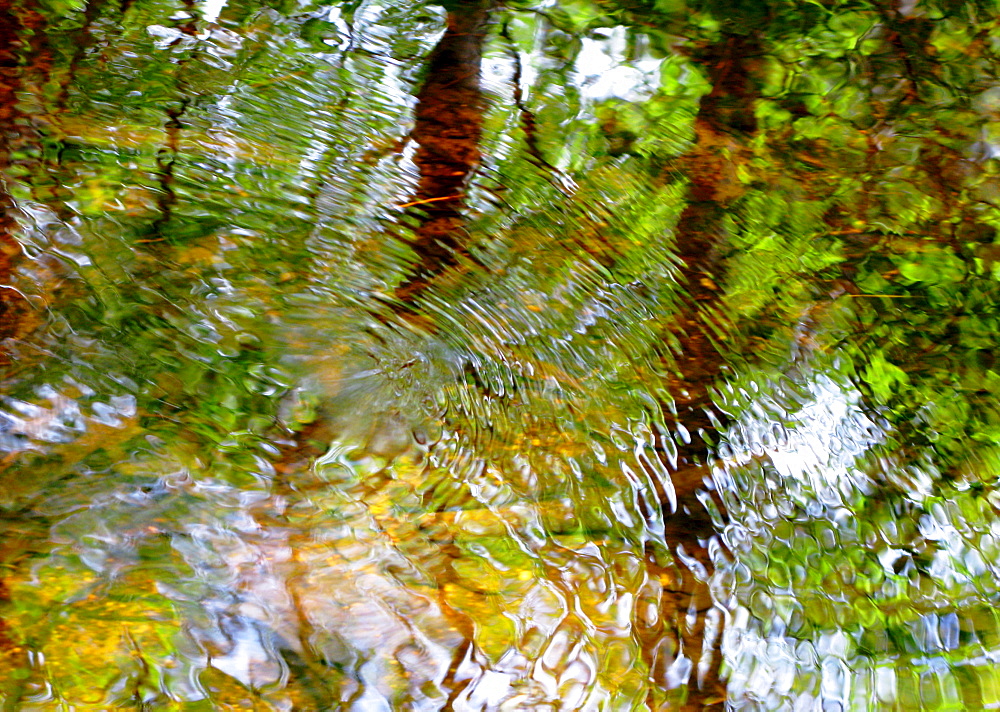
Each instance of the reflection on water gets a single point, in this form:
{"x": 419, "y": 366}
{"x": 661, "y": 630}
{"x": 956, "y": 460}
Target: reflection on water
{"x": 587, "y": 356}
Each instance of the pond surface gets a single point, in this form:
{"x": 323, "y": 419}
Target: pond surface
{"x": 529, "y": 356}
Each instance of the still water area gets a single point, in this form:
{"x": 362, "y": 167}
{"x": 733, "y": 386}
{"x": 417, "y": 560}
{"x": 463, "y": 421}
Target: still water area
{"x": 592, "y": 355}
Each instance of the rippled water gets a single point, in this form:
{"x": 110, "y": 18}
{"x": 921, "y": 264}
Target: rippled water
{"x": 556, "y": 356}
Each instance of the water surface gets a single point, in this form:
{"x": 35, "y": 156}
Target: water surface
{"x": 557, "y": 356}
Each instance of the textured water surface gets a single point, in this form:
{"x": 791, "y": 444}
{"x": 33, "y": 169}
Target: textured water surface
{"x": 528, "y": 356}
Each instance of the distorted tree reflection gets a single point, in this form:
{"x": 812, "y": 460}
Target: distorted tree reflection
{"x": 493, "y": 355}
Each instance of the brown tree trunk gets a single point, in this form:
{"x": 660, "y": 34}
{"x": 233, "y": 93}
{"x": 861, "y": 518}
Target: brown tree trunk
{"x": 449, "y": 120}
{"x": 11, "y": 302}
{"x": 724, "y": 122}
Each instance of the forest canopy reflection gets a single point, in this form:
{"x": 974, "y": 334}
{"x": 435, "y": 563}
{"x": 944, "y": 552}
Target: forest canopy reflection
{"x": 584, "y": 355}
